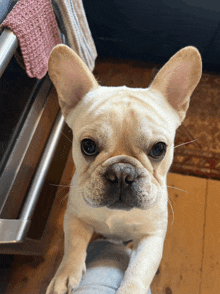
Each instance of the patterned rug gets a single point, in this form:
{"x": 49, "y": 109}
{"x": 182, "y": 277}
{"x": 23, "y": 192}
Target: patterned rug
{"x": 202, "y": 124}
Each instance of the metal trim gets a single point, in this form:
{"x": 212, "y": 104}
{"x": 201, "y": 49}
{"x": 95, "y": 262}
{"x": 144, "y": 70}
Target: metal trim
{"x": 13, "y": 231}
{"x": 8, "y": 46}
{"x": 21, "y": 146}
{"x": 37, "y": 183}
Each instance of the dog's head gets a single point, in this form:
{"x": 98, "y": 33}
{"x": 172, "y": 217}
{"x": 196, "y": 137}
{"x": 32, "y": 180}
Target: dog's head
{"x": 123, "y": 138}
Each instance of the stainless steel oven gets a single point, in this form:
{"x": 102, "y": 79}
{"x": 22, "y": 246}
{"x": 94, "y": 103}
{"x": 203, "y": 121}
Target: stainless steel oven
{"x": 33, "y": 152}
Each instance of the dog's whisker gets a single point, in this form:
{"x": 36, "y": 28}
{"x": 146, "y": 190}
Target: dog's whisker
{"x": 67, "y": 137}
{"x": 64, "y": 186}
{"x": 179, "y": 131}
{"x": 185, "y": 143}
{"x": 177, "y": 188}
{"x": 64, "y": 197}
{"x": 59, "y": 185}
{"x": 171, "y": 209}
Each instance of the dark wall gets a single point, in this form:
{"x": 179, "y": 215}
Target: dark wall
{"x": 154, "y": 30}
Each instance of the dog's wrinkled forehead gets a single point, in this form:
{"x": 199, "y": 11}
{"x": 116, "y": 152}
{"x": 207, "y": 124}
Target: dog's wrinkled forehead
{"x": 122, "y": 108}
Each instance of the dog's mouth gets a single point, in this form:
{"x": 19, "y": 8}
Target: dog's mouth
{"x": 120, "y": 204}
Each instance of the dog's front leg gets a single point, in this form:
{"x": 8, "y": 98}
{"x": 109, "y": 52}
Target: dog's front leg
{"x": 144, "y": 262}
{"x": 77, "y": 235}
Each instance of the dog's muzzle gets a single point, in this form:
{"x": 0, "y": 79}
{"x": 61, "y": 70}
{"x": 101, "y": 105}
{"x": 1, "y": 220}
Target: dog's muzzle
{"x": 123, "y": 183}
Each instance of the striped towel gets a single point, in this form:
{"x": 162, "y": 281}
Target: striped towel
{"x": 73, "y": 24}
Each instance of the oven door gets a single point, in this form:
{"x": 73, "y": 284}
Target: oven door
{"x": 28, "y": 149}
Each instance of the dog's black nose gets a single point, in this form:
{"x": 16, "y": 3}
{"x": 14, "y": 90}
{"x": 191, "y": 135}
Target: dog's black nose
{"x": 121, "y": 173}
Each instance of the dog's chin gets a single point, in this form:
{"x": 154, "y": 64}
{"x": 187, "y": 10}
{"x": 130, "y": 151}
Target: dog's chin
{"x": 120, "y": 205}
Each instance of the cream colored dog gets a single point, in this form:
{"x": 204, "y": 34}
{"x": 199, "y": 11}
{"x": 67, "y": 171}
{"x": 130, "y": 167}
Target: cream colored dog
{"x": 123, "y": 143}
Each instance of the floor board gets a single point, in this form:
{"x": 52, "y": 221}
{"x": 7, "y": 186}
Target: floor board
{"x": 180, "y": 269}
{"x": 211, "y": 261}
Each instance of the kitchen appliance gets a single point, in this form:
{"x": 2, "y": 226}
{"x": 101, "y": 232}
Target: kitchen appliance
{"x": 34, "y": 146}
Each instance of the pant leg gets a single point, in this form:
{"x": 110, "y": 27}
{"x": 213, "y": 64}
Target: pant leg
{"x": 106, "y": 264}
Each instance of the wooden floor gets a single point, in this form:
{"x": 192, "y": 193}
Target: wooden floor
{"x": 191, "y": 259}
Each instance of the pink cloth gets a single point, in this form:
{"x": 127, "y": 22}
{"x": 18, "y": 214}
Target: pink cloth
{"x": 34, "y": 24}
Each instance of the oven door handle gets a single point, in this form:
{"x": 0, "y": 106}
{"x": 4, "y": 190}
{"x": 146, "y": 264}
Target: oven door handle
{"x": 8, "y": 46}
{"x": 15, "y": 230}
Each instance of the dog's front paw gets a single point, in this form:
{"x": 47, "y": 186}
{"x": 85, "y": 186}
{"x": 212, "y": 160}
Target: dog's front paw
{"x": 66, "y": 279}
{"x": 134, "y": 288}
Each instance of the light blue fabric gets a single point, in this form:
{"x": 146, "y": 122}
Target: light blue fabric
{"x": 106, "y": 264}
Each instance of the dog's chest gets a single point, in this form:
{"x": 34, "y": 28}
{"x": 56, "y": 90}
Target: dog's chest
{"x": 120, "y": 225}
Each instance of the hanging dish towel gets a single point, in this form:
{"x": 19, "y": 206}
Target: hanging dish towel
{"x": 34, "y": 24}
{"x": 71, "y": 18}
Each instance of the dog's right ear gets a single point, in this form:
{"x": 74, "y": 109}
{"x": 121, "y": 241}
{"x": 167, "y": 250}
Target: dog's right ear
{"x": 70, "y": 76}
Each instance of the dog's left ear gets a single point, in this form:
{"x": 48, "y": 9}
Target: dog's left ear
{"x": 70, "y": 76}
{"x": 178, "y": 78}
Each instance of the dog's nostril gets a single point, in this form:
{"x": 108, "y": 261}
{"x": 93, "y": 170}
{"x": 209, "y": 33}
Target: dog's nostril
{"x": 111, "y": 177}
{"x": 129, "y": 180}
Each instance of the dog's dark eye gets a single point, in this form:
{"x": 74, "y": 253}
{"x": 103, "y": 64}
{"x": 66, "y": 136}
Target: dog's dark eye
{"x": 158, "y": 150}
{"x": 88, "y": 147}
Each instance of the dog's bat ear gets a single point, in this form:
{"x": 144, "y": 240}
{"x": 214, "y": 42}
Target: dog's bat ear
{"x": 70, "y": 76}
{"x": 178, "y": 78}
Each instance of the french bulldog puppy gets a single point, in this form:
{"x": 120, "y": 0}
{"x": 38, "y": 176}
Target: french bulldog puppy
{"x": 123, "y": 145}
